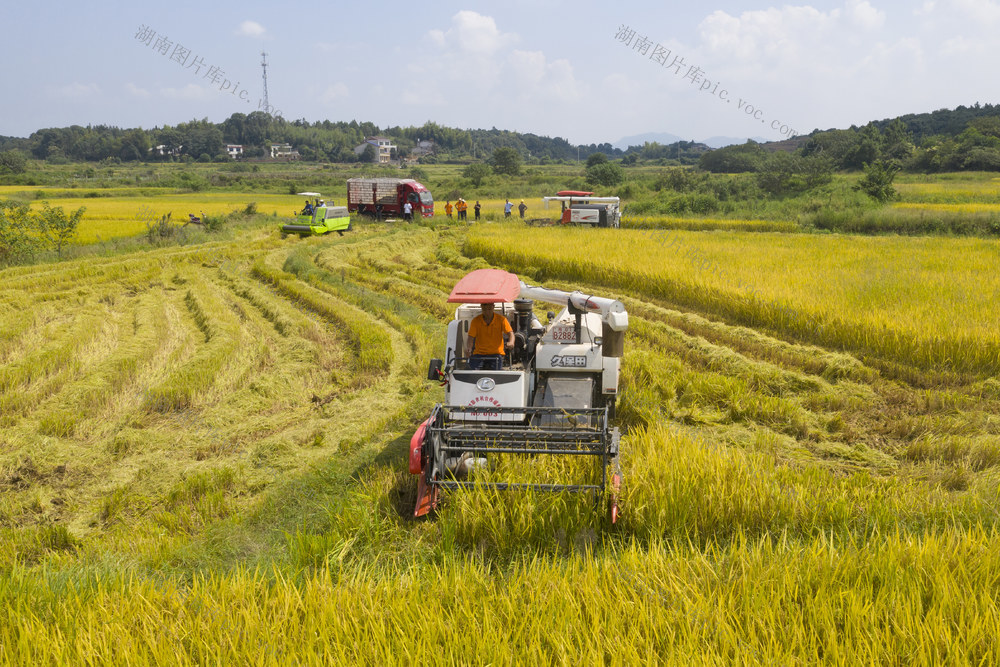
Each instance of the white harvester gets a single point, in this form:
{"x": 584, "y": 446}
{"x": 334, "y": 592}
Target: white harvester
{"x": 554, "y": 395}
{"x": 583, "y": 208}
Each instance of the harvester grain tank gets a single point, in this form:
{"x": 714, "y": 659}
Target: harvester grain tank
{"x": 555, "y": 394}
{"x": 382, "y": 197}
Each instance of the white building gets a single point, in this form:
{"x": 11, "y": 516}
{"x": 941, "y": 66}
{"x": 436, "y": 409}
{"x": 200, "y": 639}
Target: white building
{"x": 284, "y": 152}
{"x": 162, "y": 151}
{"x": 383, "y": 148}
{"x": 234, "y": 151}
{"x": 423, "y": 147}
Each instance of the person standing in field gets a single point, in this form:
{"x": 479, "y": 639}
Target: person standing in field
{"x": 408, "y": 212}
{"x": 462, "y": 209}
{"x": 522, "y": 207}
{"x": 477, "y": 207}
{"x": 447, "y": 208}
{"x": 489, "y": 337}
{"x": 506, "y": 208}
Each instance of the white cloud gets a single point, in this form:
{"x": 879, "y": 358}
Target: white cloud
{"x": 251, "y": 29}
{"x": 772, "y": 33}
{"x": 801, "y": 65}
{"x": 136, "y": 91}
{"x": 470, "y": 54}
{"x": 536, "y": 77}
{"x": 472, "y": 33}
{"x": 482, "y": 79}
{"x": 980, "y": 11}
{"x": 334, "y": 93}
{"x": 75, "y": 90}
{"x": 959, "y": 45}
{"x": 189, "y": 92}
{"x": 479, "y": 58}
{"x": 864, "y": 15}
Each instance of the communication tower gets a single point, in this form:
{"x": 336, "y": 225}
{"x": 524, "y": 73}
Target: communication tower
{"x": 263, "y": 64}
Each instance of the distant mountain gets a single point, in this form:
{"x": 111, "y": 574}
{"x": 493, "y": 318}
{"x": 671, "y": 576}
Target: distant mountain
{"x": 639, "y": 139}
{"x": 665, "y": 139}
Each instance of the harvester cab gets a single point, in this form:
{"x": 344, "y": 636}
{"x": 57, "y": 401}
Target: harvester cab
{"x": 583, "y": 208}
{"x": 554, "y": 395}
{"x": 318, "y": 217}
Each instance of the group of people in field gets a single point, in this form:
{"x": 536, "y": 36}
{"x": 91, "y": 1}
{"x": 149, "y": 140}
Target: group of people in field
{"x": 461, "y": 207}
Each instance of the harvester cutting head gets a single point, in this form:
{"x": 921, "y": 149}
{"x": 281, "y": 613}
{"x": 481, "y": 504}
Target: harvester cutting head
{"x": 554, "y": 394}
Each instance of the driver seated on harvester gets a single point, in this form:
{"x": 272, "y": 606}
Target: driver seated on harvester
{"x": 489, "y": 337}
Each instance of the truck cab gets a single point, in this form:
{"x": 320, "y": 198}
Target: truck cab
{"x": 419, "y": 196}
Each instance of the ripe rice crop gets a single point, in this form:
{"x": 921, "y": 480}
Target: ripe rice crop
{"x": 961, "y": 191}
{"x": 708, "y": 224}
{"x": 749, "y": 601}
{"x": 923, "y": 301}
{"x": 952, "y": 208}
{"x": 112, "y": 217}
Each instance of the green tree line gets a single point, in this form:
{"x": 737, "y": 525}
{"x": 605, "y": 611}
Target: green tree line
{"x": 944, "y": 140}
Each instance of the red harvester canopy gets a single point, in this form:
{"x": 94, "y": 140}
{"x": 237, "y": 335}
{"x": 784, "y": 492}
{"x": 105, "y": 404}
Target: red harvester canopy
{"x": 573, "y": 193}
{"x": 486, "y": 286}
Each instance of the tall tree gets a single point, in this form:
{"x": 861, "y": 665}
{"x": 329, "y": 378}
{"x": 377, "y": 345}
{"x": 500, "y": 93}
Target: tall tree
{"x": 506, "y": 160}
{"x": 877, "y": 181}
{"x": 56, "y": 227}
{"x": 13, "y": 162}
{"x": 233, "y": 129}
{"x": 476, "y": 172}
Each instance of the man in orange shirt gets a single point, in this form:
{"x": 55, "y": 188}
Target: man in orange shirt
{"x": 489, "y": 337}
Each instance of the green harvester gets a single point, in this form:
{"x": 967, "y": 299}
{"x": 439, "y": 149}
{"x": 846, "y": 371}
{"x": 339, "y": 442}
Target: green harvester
{"x": 321, "y": 219}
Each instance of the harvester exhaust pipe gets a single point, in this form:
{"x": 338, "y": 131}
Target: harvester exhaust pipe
{"x": 524, "y": 309}
{"x": 612, "y": 342}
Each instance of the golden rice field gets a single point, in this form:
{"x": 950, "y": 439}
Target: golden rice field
{"x": 121, "y": 216}
{"x": 923, "y": 301}
{"x": 203, "y": 456}
{"x": 963, "y": 189}
{"x": 701, "y": 224}
{"x": 951, "y": 208}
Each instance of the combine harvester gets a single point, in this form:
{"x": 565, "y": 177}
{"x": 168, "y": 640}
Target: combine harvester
{"x": 583, "y": 208}
{"x": 555, "y": 395}
{"x": 322, "y": 219}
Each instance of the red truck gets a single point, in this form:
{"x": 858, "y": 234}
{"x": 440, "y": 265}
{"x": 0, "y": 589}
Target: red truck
{"x": 381, "y": 197}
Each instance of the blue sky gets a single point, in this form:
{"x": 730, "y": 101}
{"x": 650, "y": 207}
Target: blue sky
{"x": 550, "y": 67}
